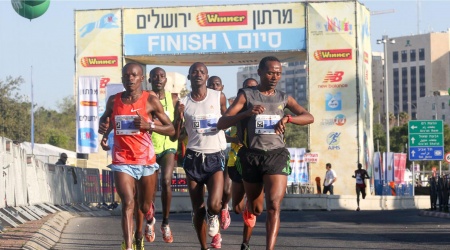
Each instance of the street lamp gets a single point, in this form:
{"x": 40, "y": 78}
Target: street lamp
{"x": 385, "y": 40}
{"x": 398, "y": 114}
{"x": 413, "y": 113}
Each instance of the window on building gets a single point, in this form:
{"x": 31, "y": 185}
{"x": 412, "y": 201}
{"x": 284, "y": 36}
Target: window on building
{"x": 412, "y": 55}
{"x": 289, "y": 72}
{"x": 395, "y": 57}
{"x": 443, "y": 105}
{"x": 396, "y": 85}
{"x": 413, "y": 80}
{"x": 421, "y": 54}
{"x": 422, "y": 80}
{"x": 433, "y": 106}
{"x": 443, "y": 117}
{"x": 434, "y": 117}
{"x": 404, "y": 56}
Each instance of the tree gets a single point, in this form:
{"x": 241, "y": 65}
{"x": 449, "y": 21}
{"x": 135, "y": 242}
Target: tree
{"x": 50, "y": 126}
{"x": 14, "y": 110}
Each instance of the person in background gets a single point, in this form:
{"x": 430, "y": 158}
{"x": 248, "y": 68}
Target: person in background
{"x": 237, "y": 187}
{"x": 360, "y": 175}
{"x": 204, "y": 160}
{"x": 133, "y": 158}
{"x": 329, "y": 180}
{"x": 263, "y": 160}
{"x": 165, "y": 147}
{"x": 214, "y": 82}
{"x": 62, "y": 159}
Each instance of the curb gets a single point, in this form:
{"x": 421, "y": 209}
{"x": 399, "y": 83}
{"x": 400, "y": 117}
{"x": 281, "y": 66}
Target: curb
{"x": 49, "y": 234}
{"x": 435, "y": 214}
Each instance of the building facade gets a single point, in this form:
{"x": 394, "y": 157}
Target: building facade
{"x": 293, "y": 81}
{"x": 417, "y": 66}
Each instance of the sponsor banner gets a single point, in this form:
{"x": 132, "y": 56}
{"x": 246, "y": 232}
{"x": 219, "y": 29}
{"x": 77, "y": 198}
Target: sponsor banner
{"x": 364, "y": 76}
{"x": 214, "y": 18}
{"x": 298, "y": 165}
{"x": 214, "y": 29}
{"x": 311, "y": 157}
{"x": 399, "y": 168}
{"x": 332, "y": 79}
{"x": 98, "y": 40}
{"x": 87, "y": 114}
{"x": 99, "y": 61}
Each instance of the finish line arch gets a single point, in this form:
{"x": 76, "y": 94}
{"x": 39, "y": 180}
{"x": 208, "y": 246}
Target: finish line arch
{"x": 333, "y": 37}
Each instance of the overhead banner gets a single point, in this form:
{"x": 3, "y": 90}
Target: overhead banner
{"x": 87, "y": 114}
{"x": 214, "y": 29}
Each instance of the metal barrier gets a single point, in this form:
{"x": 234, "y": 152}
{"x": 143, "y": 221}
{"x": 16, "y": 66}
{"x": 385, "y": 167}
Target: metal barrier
{"x": 108, "y": 187}
{"x": 300, "y": 188}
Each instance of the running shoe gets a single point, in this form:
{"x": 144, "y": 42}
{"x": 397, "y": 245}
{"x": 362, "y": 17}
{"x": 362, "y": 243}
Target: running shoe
{"x": 249, "y": 218}
{"x": 123, "y": 246}
{"x": 150, "y": 230}
{"x": 245, "y": 246}
{"x": 166, "y": 233}
{"x": 225, "y": 218}
{"x": 139, "y": 244}
{"x": 216, "y": 241}
{"x": 357, "y": 209}
{"x": 213, "y": 224}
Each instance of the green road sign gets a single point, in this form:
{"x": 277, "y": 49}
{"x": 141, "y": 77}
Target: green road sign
{"x": 429, "y": 127}
{"x": 426, "y": 140}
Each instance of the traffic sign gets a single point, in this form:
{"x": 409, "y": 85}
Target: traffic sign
{"x": 447, "y": 157}
{"x": 426, "y": 140}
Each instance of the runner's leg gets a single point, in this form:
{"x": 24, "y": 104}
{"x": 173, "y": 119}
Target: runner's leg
{"x": 167, "y": 164}
{"x": 196, "y": 193}
{"x": 126, "y": 189}
{"x": 275, "y": 188}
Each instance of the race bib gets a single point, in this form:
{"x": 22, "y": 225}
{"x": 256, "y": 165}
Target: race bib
{"x": 125, "y": 125}
{"x": 265, "y": 124}
{"x": 205, "y": 123}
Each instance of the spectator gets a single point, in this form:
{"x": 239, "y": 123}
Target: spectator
{"x": 62, "y": 159}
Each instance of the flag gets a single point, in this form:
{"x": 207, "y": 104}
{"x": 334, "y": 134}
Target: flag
{"x": 389, "y": 169}
{"x": 399, "y": 168}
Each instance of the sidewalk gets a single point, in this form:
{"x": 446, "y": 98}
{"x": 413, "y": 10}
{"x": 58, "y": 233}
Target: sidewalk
{"x": 41, "y": 234}
{"x": 434, "y": 214}
{"x": 15, "y": 238}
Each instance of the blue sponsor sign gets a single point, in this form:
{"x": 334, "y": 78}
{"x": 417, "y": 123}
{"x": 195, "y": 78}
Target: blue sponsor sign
{"x": 215, "y": 42}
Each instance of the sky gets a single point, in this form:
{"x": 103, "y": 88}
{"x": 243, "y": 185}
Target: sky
{"x": 41, "y": 51}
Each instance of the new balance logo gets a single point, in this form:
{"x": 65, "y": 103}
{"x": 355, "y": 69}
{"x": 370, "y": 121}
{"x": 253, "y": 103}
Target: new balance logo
{"x": 333, "y": 76}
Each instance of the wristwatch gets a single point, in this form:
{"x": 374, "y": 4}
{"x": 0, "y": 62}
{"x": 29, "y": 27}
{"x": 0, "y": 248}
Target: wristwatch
{"x": 152, "y": 125}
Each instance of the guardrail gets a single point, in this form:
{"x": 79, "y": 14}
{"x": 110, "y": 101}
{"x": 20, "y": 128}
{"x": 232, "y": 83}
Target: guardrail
{"x": 25, "y": 180}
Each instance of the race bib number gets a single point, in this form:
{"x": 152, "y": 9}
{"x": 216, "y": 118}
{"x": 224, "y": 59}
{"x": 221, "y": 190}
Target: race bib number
{"x": 265, "y": 124}
{"x": 125, "y": 125}
{"x": 205, "y": 123}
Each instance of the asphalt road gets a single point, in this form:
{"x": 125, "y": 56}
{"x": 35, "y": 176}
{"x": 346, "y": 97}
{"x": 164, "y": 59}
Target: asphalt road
{"x": 397, "y": 229}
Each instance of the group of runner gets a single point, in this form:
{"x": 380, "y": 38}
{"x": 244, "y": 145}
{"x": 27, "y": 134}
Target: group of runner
{"x": 146, "y": 125}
